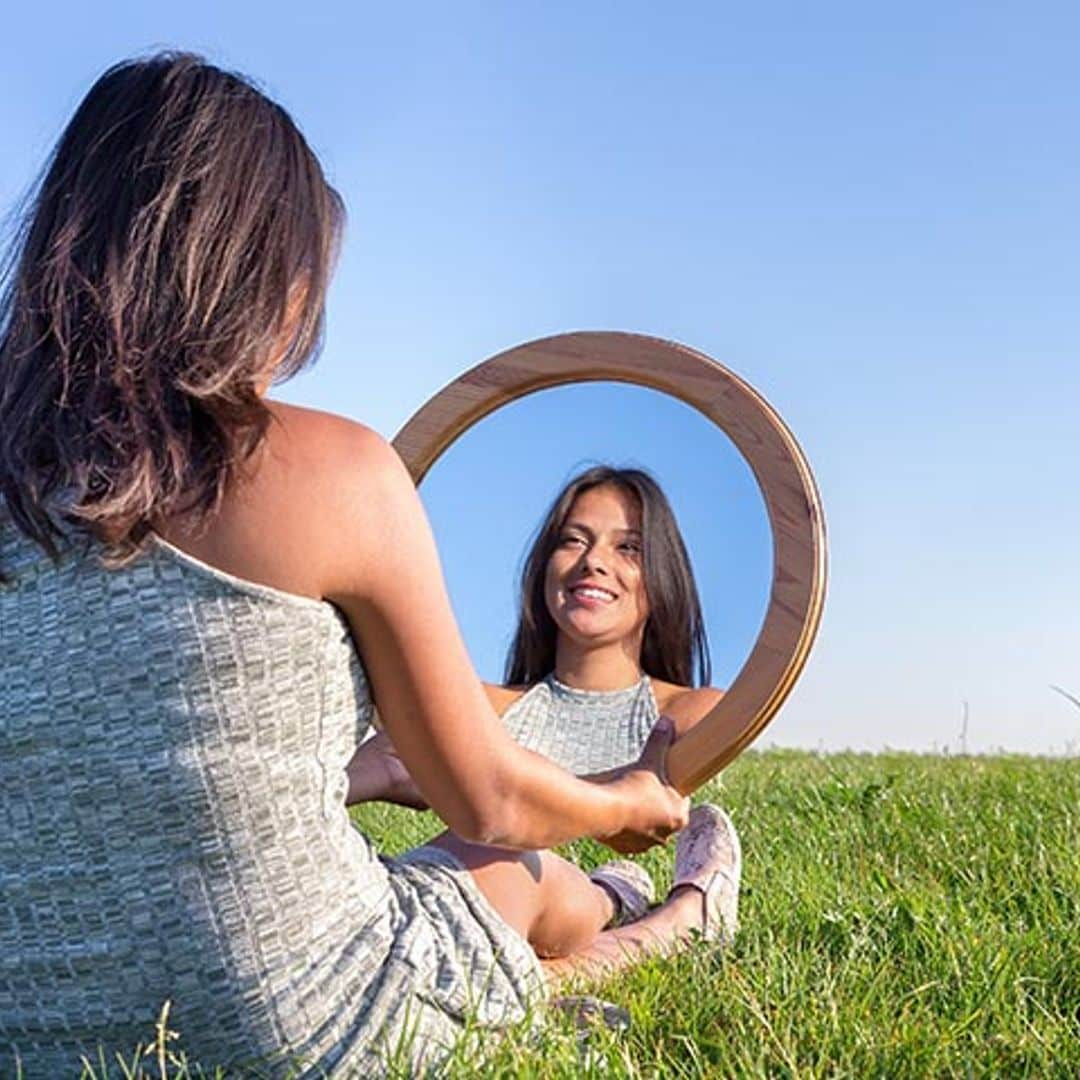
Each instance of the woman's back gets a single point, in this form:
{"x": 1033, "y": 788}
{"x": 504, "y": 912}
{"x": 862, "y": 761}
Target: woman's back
{"x": 173, "y": 739}
{"x": 172, "y": 752}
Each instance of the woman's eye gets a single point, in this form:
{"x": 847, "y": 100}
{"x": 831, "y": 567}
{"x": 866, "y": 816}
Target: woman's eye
{"x": 631, "y": 548}
{"x": 568, "y": 541}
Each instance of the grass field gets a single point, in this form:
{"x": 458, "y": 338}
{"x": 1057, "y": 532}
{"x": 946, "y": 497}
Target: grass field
{"x": 902, "y": 916}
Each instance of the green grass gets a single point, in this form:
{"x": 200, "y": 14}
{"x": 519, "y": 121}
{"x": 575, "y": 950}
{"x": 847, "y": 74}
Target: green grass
{"x": 902, "y": 916}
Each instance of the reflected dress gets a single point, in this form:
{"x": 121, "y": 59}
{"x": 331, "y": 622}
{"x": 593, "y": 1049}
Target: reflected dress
{"x": 585, "y": 731}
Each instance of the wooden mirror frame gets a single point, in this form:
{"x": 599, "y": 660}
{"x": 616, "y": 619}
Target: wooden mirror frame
{"x": 779, "y": 466}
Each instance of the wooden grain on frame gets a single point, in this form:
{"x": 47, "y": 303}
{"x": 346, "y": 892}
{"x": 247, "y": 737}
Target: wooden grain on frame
{"x": 778, "y": 464}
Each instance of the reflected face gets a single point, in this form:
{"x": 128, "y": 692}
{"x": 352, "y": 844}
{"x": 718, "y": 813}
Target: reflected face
{"x": 595, "y": 581}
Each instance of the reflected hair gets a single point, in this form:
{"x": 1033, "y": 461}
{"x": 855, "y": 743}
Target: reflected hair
{"x": 180, "y": 228}
{"x": 675, "y": 645}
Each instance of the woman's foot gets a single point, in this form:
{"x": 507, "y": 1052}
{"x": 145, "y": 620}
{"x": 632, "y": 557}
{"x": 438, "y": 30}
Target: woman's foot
{"x": 708, "y": 858}
{"x": 629, "y": 886}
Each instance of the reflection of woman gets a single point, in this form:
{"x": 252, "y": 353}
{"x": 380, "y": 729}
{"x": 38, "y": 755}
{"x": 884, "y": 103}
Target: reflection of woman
{"x": 191, "y": 574}
{"x": 610, "y": 635}
{"x": 610, "y": 632}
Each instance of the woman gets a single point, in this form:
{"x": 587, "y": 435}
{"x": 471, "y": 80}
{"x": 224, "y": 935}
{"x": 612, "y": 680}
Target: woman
{"x": 191, "y": 576}
{"x": 610, "y": 626}
{"x": 609, "y": 637}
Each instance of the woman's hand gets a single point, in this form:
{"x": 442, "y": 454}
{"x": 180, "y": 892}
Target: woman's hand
{"x": 376, "y": 772}
{"x": 657, "y": 810}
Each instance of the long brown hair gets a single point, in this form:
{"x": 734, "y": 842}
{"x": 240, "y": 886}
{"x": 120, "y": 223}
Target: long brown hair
{"x": 180, "y": 225}
{"x": 675, "y": 646}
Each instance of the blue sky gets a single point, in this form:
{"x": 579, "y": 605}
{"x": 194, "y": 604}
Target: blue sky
{"x": 869, "y": 213}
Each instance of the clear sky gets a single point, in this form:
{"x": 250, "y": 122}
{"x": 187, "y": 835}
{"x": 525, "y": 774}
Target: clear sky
{"x": 867, "y": 211}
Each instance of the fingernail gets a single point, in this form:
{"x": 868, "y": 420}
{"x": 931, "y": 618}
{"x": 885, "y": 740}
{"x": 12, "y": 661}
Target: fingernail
{"x": 663, "y": 725}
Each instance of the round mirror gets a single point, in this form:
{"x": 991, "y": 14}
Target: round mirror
{"x": 703, "y": 437}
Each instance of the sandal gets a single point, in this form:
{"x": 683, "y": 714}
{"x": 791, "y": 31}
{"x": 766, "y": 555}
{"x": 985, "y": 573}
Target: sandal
{"x": 587, "y": 1011}
{"x": 709, "y": 858}
{"x": 630, "y": 887}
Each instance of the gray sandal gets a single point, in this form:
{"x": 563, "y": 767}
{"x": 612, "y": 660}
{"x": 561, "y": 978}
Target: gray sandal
{"x": 629, "y": 885}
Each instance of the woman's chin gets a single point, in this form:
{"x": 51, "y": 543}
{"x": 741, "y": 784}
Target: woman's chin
{"x": 593, "y": 632}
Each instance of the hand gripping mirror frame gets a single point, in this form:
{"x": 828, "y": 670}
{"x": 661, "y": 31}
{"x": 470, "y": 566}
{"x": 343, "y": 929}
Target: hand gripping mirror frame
{"x": 782, "y": 472}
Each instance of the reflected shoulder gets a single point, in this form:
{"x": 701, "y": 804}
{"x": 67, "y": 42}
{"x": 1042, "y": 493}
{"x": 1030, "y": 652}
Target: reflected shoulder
{"x": 685, "y": 705}
{"x": 502, "y": 697}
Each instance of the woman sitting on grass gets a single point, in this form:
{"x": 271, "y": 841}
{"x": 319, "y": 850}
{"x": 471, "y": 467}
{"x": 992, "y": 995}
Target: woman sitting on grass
{"x": 191, "y": 576}
{"x": 609, "y": 637}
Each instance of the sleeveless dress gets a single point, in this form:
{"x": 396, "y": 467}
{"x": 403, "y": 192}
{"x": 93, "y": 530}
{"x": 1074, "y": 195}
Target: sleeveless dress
{"x": 585, "y": 731}
{"x": 173, "y": 743}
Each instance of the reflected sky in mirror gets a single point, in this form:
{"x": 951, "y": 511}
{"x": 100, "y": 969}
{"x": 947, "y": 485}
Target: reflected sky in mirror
{"x": 488, "y": 493}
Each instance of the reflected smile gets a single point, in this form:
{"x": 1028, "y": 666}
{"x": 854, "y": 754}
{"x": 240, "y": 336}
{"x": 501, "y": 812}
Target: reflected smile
{"x": 592, "y": 592}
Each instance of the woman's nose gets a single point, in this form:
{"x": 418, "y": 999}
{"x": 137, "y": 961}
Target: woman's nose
{"x": 594, "y": 561}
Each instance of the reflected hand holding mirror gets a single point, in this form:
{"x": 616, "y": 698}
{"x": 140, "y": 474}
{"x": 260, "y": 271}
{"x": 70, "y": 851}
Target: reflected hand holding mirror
{"x": 610, "y": 632}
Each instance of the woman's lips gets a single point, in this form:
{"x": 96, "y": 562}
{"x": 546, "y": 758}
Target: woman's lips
{"x": 592, "y": 594}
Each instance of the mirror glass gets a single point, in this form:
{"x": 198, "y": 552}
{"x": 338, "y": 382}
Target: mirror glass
{"x": 487, "y": 494}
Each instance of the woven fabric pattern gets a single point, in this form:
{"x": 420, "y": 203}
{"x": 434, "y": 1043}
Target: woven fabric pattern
{"x": 173, "y": 743}
{"x": 585, "y": 731}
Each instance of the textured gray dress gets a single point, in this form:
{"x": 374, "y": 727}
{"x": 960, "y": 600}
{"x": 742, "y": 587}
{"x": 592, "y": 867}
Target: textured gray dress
{"x": 585, "y": 731}
{"x": 173, "y": 743}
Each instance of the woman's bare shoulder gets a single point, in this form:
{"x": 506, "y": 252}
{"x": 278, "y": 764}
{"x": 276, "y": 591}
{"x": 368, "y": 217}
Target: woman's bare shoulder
{"x": 300, "y": 437}
{"x": 339, "y": 472}
{"x": 303, "y": 506}
{"x": 502, "y": 697}
{"x": 686, "y": 705}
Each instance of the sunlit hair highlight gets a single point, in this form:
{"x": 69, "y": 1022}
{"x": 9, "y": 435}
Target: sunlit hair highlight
{"x": 181, "y": 226}
{"x": 675, "y": 645}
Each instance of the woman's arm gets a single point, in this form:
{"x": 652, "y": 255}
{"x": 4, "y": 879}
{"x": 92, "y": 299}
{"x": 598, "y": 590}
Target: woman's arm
{"x": 376, "y": 772}
{"x": 375, "y": 559}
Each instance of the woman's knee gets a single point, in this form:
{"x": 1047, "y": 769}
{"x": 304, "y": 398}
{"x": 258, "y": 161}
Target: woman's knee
{"x": 574, "y": 911}
{"x": 510, "y": 880}
{"x": 546, "y": 899}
